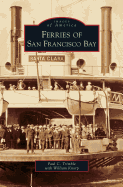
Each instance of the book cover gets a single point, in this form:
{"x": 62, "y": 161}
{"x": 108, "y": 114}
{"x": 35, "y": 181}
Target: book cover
{"x": 61, "y": 71}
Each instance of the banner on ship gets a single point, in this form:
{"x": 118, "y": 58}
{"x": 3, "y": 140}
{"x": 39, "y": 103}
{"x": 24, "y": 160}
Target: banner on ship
{"x": 61, "y": 34}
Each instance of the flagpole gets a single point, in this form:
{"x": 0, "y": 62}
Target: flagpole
{"x": 79, "y": 110}
{"x": 38, "y": 82}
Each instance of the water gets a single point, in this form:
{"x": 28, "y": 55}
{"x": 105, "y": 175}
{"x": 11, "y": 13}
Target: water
{"x": 111, "y": 176}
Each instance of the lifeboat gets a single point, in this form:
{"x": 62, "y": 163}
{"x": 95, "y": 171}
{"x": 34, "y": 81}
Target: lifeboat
{"x": 75, "y": 107}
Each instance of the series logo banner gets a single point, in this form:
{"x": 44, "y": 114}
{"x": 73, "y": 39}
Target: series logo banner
{"x": 61, "y": 34}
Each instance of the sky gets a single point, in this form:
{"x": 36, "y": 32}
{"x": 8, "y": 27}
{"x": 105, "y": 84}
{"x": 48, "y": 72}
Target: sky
{"x": 87, "y": 11}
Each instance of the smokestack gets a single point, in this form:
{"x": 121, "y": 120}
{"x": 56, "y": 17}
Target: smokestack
{"x": 15, "y": 34}
{"x": 106, "y": 39}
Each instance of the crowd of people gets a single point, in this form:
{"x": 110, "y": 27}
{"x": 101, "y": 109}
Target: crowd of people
{"x": 40, "y": 137}
{"x": 56, "y": 86}
{"x": 13, "y": 136}
{"x": 46, "y": 136}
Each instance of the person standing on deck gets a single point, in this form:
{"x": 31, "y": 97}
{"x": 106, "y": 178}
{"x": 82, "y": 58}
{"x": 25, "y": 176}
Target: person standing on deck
{"x": 63, "y": 137}
{"x": 18, "y": 133}
{"x": 2, "y": 133}
{"x": 67, "y": 139}
{"x": 20, "y": 85}
{"x": 28, "y": 126}
{"x": 30, "y": 138}
{"x": 8, "y": 137}
{"x": 59, "y": 136}
{"x": 39, "y": 131}
{"x": 23, "y": 137}
{"x": 74, "y": 141}
{"x": 36, "y": 137}
{"x": 72, "y": 131}
{"x": 56, "y": 86}
{"x": 14, "y": 135}
{"x": 53, "y": 129}
{"x": 42, "y": 138}
{"x": 56, "y": 138}
{"x": 10, "y": 87}
{"x": 75, "y": 87}
{"x": 81, "y": 87}
{"x": 89, "y": 87}
{"x": 11, "y": 131}
{"x": 45, "y": 130}
{"x": 46, "y": 141}
{"x": 52, "y": 140}
{"x": 49, "y": 135}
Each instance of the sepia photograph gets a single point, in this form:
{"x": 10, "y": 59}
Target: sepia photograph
{"x": 61, "y": 93}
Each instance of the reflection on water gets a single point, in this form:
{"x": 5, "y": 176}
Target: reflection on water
{"x": 107, "y": 176}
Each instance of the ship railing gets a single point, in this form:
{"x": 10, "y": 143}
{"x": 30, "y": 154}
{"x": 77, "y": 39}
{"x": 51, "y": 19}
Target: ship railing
{"x": 26, "y": 70}
{"x": 47, "y": 69}
{"x": 116, "y": 97}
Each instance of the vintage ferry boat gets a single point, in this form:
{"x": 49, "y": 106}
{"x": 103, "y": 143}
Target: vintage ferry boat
{"x": 63, "y": 90}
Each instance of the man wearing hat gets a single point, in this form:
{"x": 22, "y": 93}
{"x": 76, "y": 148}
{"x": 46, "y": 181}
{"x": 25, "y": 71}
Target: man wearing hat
{"x": 10, "y": 87}
{"x": 71, "y": 87}
{"x": 45, "y": 130}
{"x": 52, "y": 139}
{"x": 67, "y": 139}
{"x": 39, "y": 130}
{"x": 36, "y": 137}
{"x": 23, "y": 137}
{"x": 56, "y": 86}
{"x": 49, "y": 135}
{"x": 71, "y": 129}
{"x": 42, "y": 137}
{"x": 18, "y": 133}
{"x": 28, "y": 126}
{"x": 75, "y": 87}
{"x": 14, "y": 136}
{"x": 81, "y": 87}
{"x": 84, "y": 131}
{"x": 56, "y": 137}
{"x": 14, "y": 87}
{"x": 63, "y": 137}
{"x": 33, "y": 88}
{"x": 11, "y": 129}
{"x": 60, "y": 136}
{"x": 8, "y": 137}
{"x": 20, "y": 85}
{"x": 2, "y": 133}
{"x": 30, "y": 138}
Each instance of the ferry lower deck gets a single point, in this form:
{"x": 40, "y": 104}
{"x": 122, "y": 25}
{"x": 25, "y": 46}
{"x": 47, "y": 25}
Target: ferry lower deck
{"x": 20, "y": 155}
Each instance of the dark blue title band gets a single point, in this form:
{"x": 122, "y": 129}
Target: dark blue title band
{"x": 60, "y": 166}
